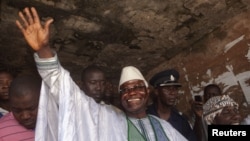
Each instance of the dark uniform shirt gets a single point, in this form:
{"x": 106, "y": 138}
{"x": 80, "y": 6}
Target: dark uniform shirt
{"x": 178, "y": 121}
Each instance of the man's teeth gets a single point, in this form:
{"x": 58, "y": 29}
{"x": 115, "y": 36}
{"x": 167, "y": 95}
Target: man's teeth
{"x": 136, "y": 99}
{"x": 235, "y": 123}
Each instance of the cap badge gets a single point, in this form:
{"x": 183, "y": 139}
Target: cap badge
{"x": 172, "y": 78}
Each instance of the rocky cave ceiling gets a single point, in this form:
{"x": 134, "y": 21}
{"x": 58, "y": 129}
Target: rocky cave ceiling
{"x": 115, "y": 33}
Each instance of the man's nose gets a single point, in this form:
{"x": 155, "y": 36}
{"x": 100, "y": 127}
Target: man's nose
{"x": 98, "y": 85}
{"x": 25, "y": 115}
{"x": 173, "y": 91}
{"x": 131, "y": 91}
{"x": 6, "y": 85}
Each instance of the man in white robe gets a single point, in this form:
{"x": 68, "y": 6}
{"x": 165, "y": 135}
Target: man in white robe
{"x": 67, "y": 114}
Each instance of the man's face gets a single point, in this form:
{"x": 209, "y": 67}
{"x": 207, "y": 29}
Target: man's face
{"x": 25, "y": 108}
{"x": 229, "y": 116}
{"x": 5, "y": 80}
{"x": 94, "y": 85}
{"x": 134, "y": 97}
{"x": 167, "y": 95}
{"x": 211, "y": 92}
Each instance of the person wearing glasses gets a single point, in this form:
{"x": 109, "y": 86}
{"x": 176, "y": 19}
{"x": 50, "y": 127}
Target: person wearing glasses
{"x": 66, "y": 113}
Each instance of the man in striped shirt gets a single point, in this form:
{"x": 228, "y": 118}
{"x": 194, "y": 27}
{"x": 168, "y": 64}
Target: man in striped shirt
{"x": 24, "y": 98}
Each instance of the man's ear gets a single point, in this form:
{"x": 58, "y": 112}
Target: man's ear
{"x": 156, "y": 91}
{"x": 148, "y": 90}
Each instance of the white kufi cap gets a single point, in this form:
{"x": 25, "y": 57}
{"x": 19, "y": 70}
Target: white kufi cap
{"x": 131, "y": 73}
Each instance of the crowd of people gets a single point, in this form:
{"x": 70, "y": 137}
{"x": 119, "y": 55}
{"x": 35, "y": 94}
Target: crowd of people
{"x": 52, "y": 107}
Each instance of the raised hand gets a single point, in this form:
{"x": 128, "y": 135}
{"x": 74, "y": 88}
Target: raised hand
{"x": 35, "y": 34}
{"x": 197, "y": 108}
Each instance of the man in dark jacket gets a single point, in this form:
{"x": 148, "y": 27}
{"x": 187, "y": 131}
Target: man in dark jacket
{"x": 166, "y": 93}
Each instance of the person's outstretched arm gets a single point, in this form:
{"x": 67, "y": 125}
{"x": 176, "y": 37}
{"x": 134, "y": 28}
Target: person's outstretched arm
{"x": 36, "y": 34}
{"x": 197, "y": 108}
{"x": 65, "y": 112}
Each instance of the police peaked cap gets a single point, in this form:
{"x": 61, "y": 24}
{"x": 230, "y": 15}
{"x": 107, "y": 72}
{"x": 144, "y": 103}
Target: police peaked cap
{"x": 168, "y": 77}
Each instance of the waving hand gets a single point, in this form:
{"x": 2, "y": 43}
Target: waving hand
{"x": 35, "y": 34}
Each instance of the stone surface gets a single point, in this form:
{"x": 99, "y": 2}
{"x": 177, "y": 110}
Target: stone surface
{"x": 207, "y": 41}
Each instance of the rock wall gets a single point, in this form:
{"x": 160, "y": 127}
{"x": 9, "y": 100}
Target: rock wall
{"x": 207, "y": 41}
{"x": 223, "y": 58}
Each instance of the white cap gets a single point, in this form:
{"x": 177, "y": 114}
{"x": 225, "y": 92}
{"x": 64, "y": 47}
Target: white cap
{"x": 131, "y": 73}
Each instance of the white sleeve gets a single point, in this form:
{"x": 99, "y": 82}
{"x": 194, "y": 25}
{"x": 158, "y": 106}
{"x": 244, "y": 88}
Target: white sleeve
{"x": 66, "y": 113}
{"x": 63, "y": 102}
